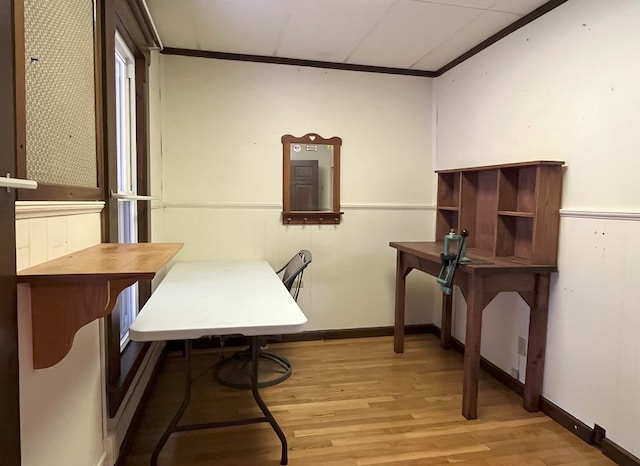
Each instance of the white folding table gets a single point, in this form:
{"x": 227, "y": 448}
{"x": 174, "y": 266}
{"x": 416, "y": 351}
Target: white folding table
{"x": 199, "y": 299}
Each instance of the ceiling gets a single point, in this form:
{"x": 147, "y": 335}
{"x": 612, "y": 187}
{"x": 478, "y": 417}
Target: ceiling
{"x": 421, "y": 35}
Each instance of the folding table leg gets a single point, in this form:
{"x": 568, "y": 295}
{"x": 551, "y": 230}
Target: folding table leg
{"x": 255, "y": 347}
{"x": 268, "y": 417}
{"x": 185, "y": 402}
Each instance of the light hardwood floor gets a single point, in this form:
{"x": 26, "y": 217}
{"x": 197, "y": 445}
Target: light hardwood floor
{"x": 355, "y": 402}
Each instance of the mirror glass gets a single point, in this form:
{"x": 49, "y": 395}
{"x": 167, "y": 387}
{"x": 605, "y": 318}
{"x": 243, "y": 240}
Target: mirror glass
{"x": 311, "y": 176}
{"x": 311, "y": 179}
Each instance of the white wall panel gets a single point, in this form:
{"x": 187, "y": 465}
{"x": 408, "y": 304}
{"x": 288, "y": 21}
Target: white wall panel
{"x": 60, "y": 406}
{"x": 350, "y": 283}
{"x": 562, "y": 88}
{"x": 565, "y": 88}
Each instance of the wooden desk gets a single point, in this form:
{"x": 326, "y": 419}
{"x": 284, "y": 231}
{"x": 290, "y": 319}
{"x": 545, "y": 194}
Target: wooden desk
{"x": 198, "y": 299}
{"x": 480, "y": 281}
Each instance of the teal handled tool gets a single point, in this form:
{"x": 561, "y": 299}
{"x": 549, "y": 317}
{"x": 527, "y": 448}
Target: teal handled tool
{"x": 451, "y": 260}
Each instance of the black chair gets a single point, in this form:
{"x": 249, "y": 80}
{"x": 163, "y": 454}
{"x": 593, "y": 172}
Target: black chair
{"x": 235, "y": 371}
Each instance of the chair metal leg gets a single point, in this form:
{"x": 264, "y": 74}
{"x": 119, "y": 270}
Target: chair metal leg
{"x": 235, "y": 371}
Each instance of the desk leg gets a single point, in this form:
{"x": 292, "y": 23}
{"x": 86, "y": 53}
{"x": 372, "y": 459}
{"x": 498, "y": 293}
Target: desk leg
{"x": 471, "y": 372}
{"x": 398, "y": 329}
{"x": 171, "y": 428}
{"x": 255, "y": 347}
{"x": 538, "y": 318}
{"x": 445, "y": 326}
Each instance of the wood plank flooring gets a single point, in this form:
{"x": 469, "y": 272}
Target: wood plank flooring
{"x": 354, "y": 402}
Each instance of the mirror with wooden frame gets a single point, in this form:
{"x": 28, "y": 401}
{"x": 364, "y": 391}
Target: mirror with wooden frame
{"x": 310, "y": 180}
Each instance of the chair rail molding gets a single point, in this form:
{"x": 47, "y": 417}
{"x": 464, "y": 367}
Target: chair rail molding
{"x": 219, "y": 205}
{"x": 601, "y": 214}
{"x": 41, "y": 209}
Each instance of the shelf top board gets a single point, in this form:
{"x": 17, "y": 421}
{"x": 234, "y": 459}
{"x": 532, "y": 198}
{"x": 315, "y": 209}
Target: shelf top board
{"x": 505, "y": 165}
{"x": 104, "y": 261}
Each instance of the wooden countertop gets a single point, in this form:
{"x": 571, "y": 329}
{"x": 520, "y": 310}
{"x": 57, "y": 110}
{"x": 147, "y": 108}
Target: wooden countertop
{"x": 106, "y": 260}
{"x": 481, "y": 261}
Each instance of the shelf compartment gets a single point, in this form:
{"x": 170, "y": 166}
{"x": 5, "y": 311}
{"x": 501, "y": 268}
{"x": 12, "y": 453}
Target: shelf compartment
{"x": 478, "y": 207}
{"x": 511, "y": 210}
{"x": 446, "y": 220}
{"x": 448, "y": 189}
{"x": 514, "y": 237}
{"x": 518, "y": 189}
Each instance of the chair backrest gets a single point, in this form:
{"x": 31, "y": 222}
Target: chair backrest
{"x": 294, "y": 269}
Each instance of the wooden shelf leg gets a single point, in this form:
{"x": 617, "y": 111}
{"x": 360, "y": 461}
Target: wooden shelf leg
{"x": 538, "y": 318}
{"x": 398, "y": 329}
{"x": 445, "y": 326}
{"x": 475, "y": 305}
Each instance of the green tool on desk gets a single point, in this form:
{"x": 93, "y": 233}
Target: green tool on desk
{"x": 451, "y": 260}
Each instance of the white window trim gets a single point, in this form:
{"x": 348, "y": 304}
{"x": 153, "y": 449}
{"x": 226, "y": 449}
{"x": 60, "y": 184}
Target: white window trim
{"x": 126, "y": 171}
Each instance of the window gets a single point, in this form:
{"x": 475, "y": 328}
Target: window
{"x": 126, "y": 37}
{"x": 127, "y": 306}
{"x": 126, "y": 219}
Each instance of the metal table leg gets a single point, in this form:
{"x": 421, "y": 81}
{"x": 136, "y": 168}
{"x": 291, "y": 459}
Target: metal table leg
{"x": 255, "y": 347}
{"x": 171, "y": 428}
{"x": 268, "y": 417}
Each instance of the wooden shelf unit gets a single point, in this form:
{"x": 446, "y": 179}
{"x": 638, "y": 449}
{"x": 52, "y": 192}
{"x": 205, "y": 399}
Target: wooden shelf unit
{"x": 511, "y": 210}
{"x": 69, "y": 292}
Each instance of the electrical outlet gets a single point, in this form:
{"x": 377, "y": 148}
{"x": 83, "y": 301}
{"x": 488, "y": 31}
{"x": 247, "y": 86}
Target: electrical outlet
{"x": 522, "y": 346}
{"x": 515, "y": 373}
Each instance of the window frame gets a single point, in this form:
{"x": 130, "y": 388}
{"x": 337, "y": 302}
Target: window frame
{"x": 11, "y": 146}
{"x": 129, "y": 19}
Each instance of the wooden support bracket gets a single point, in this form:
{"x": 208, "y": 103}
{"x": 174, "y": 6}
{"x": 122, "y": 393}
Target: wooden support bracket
{"x": 59, "y": 309}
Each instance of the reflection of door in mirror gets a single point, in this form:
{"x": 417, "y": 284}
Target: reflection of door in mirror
{"x": 304, "y": 185}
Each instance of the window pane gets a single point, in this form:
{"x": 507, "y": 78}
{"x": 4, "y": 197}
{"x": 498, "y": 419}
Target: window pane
{"x": 127, "y": 305}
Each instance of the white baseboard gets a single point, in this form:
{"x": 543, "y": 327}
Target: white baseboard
{"x": 118, "y": 426}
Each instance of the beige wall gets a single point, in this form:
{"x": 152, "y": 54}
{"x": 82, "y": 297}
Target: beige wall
{"x": 221, "y": 123}
{"x": 61, "y": 407}
{"x": 565, "y": 87}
